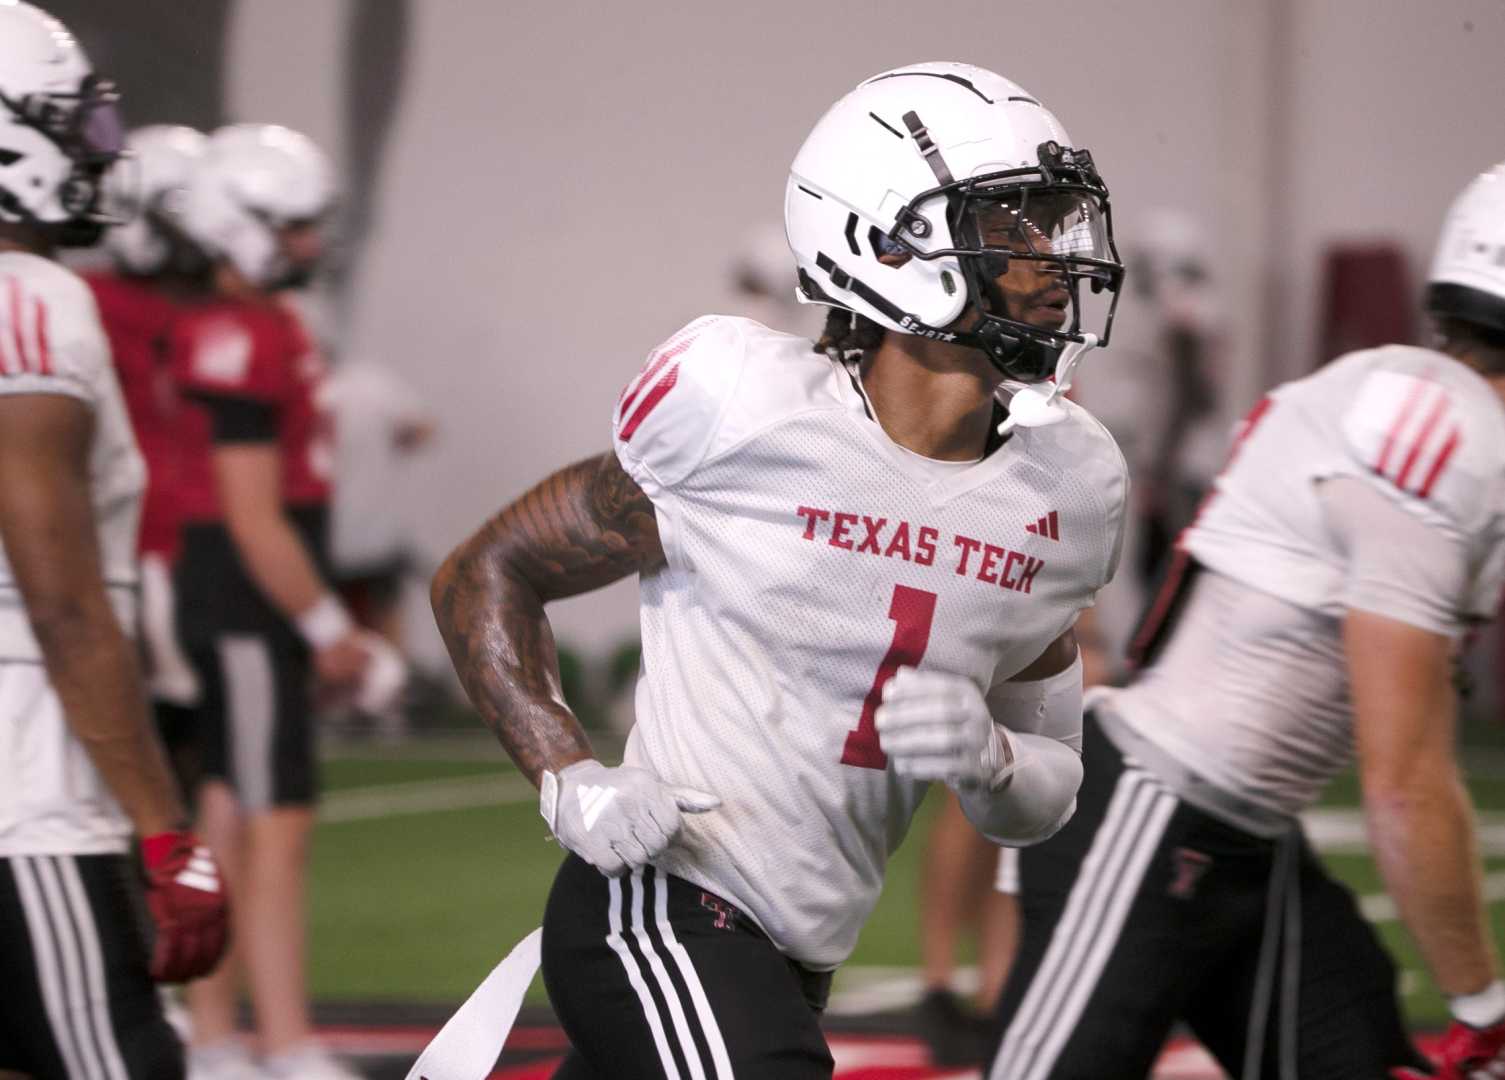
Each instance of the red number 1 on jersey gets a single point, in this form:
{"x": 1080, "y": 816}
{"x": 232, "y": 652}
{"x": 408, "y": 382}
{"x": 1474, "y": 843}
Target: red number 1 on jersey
{"x": 912, "y": 611}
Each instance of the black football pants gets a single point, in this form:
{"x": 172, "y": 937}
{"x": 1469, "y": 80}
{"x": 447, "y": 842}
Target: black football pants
{"x": 653, "y": 977}
{"x": 1144, "y": 910}
{"x": 77, "y": 1001}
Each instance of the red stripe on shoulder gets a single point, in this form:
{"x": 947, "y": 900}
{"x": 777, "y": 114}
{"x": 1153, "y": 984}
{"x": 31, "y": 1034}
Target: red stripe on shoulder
{"x": 44, "y": 350}
{"x": 1434, "y": 415}
{"x": 634, "y": 389}
{"x": 9, "y": 365}
{"x": 650, "y": 402}
{"x": 15, "y": 325}
{"x": 1402, "y": 415}
{"x": 1448, "y": 447}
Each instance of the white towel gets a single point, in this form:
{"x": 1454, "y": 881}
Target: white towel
{"x": 469, "y": 1044}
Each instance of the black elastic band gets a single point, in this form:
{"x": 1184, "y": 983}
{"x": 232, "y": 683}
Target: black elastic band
{"x": 932, "y": 153}
{"x": 240, "y": 420}
{"x": 843, "y": 280}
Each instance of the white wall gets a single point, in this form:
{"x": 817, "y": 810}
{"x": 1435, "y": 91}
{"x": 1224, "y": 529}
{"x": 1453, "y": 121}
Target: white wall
{"x": 1395, "y": 105}
{"x": 567, "y": 180}
{"x": 286, "y": 64}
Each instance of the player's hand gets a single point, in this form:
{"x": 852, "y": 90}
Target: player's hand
{"x": 185, "y": 894}
{"x": 1464, "y": 1054}
{"x": 936, "y": 726}
{"x": 383, "y": 678}
{"x": 339, "y": 666}
{"x": 616, "y": 819}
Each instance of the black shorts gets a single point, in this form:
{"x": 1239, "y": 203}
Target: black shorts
{"x": 180, "y": 727}
{"x": 1144, "y": 911}
{"x": 654, "y": 977}
{"x": 256, "y": 717}
{"x": 78, "y": 1001}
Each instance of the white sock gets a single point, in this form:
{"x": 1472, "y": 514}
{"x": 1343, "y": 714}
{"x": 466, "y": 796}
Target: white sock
{"x": 1481, "y": 1010}
{"x": 223, "y": 1052}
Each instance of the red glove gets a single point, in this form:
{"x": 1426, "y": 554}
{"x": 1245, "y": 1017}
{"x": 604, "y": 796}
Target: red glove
{"x": 1466, "y": 1053}
{"x": 186, "y": 896}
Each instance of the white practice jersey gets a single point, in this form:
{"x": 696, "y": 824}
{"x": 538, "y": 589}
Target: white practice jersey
{"x": 1251, "y": 689}
{"x": 51, "y": 798}
{"x": 808, "y": 557}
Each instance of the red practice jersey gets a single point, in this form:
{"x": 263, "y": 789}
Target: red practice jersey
{"x": 137, "y": 320}
{"x": 258, "y": 356}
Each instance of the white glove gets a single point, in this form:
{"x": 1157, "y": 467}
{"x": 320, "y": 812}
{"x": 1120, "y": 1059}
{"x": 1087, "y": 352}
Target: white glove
{"x": 384, "y": 678}
{"x": 616, "y": 819}
{"x": 936, "y": 726}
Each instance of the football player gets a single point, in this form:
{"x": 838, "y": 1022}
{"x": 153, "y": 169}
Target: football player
{"x": 1315, "y": 612}
{"x": 852, "y": 585}
{"x": 257, "y": 617}
{"x": 82, "y": 769}
{"x": 154, "y": 271}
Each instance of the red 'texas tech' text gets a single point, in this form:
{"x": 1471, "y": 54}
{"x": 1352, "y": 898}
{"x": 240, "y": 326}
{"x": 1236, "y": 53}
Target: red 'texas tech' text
{"x": 970, "y": 557}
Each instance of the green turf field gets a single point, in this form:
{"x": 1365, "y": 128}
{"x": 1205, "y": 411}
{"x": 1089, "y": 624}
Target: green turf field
{"x": 437, "y": 862}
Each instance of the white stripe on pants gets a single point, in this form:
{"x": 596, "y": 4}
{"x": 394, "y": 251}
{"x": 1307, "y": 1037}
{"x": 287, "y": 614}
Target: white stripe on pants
{"x": 1084, "y": 938}
{"x": 661, "y": 977}
{"x": 678, "y": 1023}
{"x": 250, "y": 689}
{"x": 719, "y": 1057}
{"x": 635, "y": 977}
{"x": 70, "y": 965}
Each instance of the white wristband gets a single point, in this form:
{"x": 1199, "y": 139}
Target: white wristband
{"x": 325, "y": 623}
{"x": 1481, "y": 1010}
{"x": 548, "y": 798}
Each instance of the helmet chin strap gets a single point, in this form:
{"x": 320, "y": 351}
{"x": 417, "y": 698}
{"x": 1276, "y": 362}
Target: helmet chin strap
{"x": 1030, "y": 408}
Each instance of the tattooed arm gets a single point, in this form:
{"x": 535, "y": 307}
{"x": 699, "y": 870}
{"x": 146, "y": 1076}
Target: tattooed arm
{"x": 584, "y": 527}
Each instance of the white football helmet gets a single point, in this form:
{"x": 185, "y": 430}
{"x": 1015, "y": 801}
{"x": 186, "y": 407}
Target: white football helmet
{"x": 165, "y": 156}
{"x": 1467, "y": 280}
{"x": 963, "y": 171}
{"x": 253, "y": 181}
{"x": 60, "y": 131}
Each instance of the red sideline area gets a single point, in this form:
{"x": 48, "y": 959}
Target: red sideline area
{"x": 858, "y": 1057}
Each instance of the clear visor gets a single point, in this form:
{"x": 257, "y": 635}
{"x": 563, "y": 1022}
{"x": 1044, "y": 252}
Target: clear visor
{"x": 1045, "y": 223}
{"x": 86, "y": 126}
{"x": 100, "y": 129}
{"x": 1044, "y": 257}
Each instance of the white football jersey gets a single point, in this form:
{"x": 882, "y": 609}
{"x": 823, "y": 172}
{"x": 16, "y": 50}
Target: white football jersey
{"x": 51, "y": 342}
{"x": 1251, "y": 690}
{"x": 808, "y": 557}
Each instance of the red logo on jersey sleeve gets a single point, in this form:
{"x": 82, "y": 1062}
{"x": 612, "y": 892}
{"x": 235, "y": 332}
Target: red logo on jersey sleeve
{"x": 24, "y": 348}
{"x": 659, "y": 376}
{"x": 1420, "y": 441}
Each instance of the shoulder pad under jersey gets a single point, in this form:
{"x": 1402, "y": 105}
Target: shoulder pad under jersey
{"x": 1427, "y": 430}
{"x": 1081, "y": 447}
{"x": 51, "y": 340}
{"x": 667, "y": 416}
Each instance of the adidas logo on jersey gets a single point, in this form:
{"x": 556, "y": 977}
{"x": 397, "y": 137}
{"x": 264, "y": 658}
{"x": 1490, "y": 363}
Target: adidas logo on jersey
{"x": 593, "y": 801}
{"x": 1049, "y": 527}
